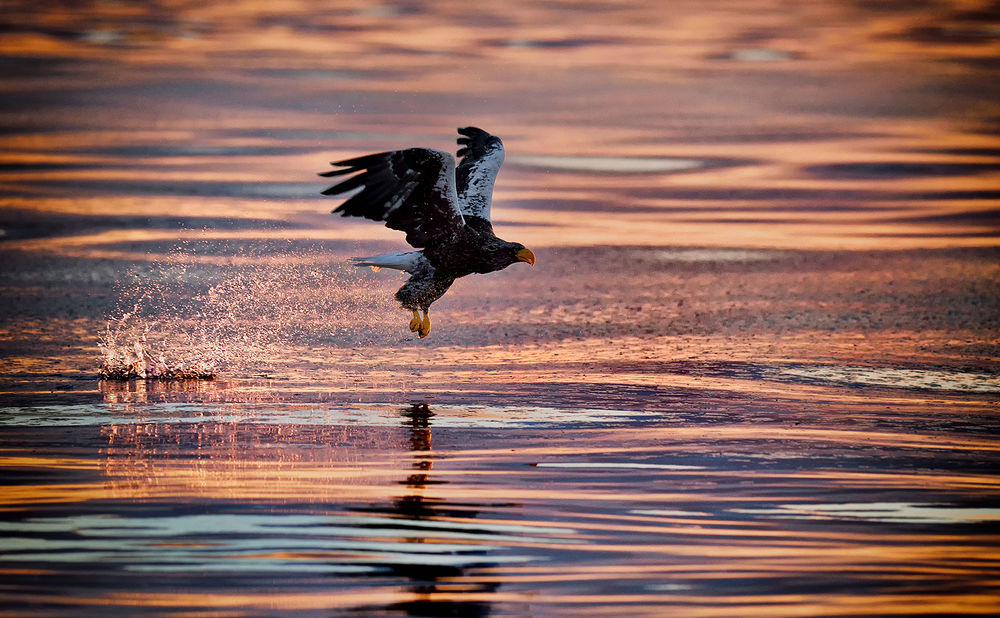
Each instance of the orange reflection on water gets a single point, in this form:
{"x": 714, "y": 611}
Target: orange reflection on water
{"x": 424, "y": 491}
{"x": 244, "y": 462}
{"x": 214, "y": 601}
{"x": 830, "y": 126}
{"x": 746, "y": 217}
{"x": 53, "y": 463}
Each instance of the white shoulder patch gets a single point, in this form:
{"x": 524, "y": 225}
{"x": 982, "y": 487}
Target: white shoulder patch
{"x": 446, "y": 184}
{"x": 478, "y": 195}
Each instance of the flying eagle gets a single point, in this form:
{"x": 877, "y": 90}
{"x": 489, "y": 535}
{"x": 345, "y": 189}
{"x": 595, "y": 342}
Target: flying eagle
{"x": 444, "y": 210}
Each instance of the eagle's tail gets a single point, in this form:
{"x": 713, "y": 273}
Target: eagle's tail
{"x": 406, "y": 261}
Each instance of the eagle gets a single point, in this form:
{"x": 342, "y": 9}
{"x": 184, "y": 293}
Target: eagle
{"x": 443, "y": 209}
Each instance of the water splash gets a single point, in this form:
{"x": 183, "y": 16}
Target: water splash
{"x": 127, "y": 354}
{"x": 169, "y": 335}
{"x": 191, "y": 318}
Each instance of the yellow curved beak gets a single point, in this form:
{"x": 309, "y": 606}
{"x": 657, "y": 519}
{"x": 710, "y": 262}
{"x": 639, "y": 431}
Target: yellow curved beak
{"x": 525, "y": 255}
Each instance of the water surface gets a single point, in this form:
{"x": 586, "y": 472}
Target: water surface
{"x": 754, "y": 370}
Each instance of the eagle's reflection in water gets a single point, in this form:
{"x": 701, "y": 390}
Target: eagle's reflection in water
{"x": 315, "y": 507}
{"x": 440, "y": 589}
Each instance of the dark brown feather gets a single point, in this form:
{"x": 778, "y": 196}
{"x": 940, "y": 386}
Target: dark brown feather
{"x": 412, "y": 190}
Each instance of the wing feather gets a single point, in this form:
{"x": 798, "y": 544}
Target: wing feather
{"x": 482, "y": 155}
{"x": 412, "y": 190}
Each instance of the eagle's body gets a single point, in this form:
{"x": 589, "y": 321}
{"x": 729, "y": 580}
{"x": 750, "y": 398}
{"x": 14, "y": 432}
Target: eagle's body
{"x": 444, "y": 210}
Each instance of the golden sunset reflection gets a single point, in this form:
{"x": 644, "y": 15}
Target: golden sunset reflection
{"x": 754, "y": 369}
{"x": 379, "y": 491}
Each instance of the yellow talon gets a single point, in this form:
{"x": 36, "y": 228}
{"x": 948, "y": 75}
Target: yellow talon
{"x": 425, "y": 326}
{"x": 415, "y": 322}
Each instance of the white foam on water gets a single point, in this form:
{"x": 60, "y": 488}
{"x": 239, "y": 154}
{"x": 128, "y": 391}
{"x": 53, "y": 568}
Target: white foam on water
{"x": 670, "y": 513}
{"x": 614, "y": 465}
{"x": 889, "y": 512}
{"x": 715, "y": 255}
{"x": 900, "y": 378}
{"x": 759, "y": 54}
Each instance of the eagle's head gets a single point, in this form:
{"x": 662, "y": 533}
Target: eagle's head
{"x": 516, "y": 252}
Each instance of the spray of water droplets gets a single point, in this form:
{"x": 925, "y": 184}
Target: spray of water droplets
{"x": 193, "y": 316}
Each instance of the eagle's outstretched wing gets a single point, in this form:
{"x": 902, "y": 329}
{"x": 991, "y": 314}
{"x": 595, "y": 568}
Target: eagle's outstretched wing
{"x": 482, "y": 156}
{"x": 412, "y": 190}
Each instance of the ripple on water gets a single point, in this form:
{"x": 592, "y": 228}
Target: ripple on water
{"x": 285, "y": 542}
{"x": 370, "y": 415}
{"x": 632, "y": 165}
{"x": 527, "y": 509}
{"x": 899, "y": 169}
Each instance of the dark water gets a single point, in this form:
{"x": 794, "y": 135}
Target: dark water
{"x": 754, "y": 370}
